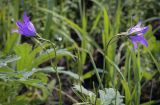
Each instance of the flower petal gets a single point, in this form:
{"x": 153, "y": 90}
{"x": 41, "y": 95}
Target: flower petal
{"x": 31, "y": 27}
{"x": 144, "y": 29}
{"x": 138, "y": 38}
{"x": 135, "y": 45}
{"x": 139, "y": 24}
{"x": 138, "y": 29}
{"x": 134, "y": 30}
{"x": 27, "y": 32}
{"x": 144, "y": 42}
{"x": 14, "y": 30}
{"x": 25, "y": 17}
{"x": 21, "y": 32}
{"x": 135, "y": 38}
{"x": 20, "y": 24}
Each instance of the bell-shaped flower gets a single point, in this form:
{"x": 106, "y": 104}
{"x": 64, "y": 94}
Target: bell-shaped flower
{"x": 26, "y": 27}
{"x": 135, "y": 34}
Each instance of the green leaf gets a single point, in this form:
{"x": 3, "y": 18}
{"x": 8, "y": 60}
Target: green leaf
{"x": 49, "y": 54}
{"x": 96, "y": 21}
{"x": 33, "y": 82}
{"x": 38, "y": 49}
{"x": 110, "y": 97}
{"x": 11, "y": 42}
{"x": 59, "y": 70}
{"x": 148, "y": 75}
{"x": 88, "y": 93}
{"x": 88, "y": 74}
{"x": 41, "y": 76}
{"x": 26, "y": 60}
{"x": 8, "y": 59}
{"x": 106, "y": 23}
{"x": 6, "y": 69}
{"x": 127, "y": 92}
{"x": 153, "y": 102}
{"x": 152, "y": 42}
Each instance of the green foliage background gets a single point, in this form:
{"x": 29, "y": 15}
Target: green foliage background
{"x": 80, "y": 29}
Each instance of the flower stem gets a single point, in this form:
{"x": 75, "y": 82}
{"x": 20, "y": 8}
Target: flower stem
{"x": 58, "y": 77}
{"x": 105, "y": 54}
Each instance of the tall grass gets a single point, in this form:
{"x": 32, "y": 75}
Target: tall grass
{"x": 26, "y": 64}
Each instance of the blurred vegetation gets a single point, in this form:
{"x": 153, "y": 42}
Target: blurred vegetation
{"x": 80, "y": 29}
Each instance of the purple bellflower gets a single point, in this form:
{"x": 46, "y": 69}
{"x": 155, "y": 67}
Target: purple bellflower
{"x": 26, "y": 27}
{"x": 136, "y": 35}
